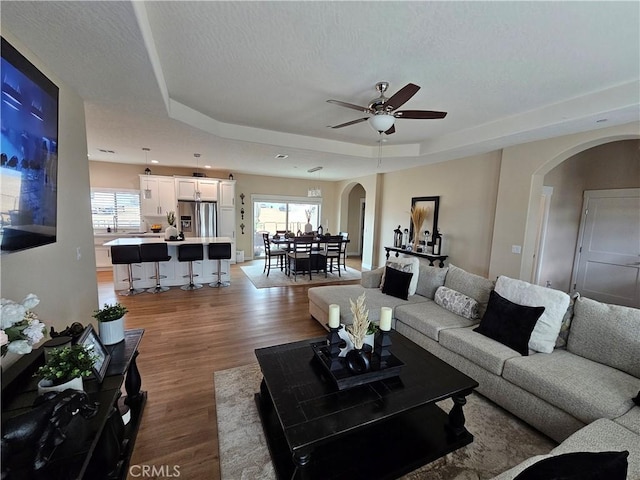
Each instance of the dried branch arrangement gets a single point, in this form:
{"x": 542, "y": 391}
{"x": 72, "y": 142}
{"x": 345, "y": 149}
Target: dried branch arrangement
{"x": 358, "y": 329}
{"x": 418, "y": 216}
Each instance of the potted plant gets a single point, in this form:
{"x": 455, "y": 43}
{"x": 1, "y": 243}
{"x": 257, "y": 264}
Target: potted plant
{"x": 65, "y": 368}
{"x": 111, "y": 323}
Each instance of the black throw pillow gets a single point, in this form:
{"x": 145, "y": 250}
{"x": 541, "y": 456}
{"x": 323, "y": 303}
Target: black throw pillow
{"x": 579, "y": 466}
{"x": 396, "y": 283}
{"x": 509, "y": 323}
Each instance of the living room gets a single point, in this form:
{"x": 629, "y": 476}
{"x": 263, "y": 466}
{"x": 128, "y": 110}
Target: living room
{"x": 489, "y": 203}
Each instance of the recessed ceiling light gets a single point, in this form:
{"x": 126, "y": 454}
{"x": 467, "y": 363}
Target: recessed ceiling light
{"x": 282, "y": 156}
{"x": 155, "y": 161}
{"x": 207, "y": 166}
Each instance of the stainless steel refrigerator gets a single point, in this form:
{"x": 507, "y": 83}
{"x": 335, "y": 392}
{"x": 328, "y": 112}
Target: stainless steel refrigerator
{"x": 197, "y": 219}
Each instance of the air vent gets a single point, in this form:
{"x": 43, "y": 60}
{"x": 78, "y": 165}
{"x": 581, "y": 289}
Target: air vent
{"x": 281, "y": 156}
{"x": 314, "y": 169}
{"x": 105, "y": 151}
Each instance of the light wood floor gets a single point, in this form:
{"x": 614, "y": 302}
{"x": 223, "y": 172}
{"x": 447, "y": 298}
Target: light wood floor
{"x": 190, "y": 335}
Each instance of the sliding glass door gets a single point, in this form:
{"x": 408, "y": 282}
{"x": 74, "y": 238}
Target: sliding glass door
{"x": 273, "y": 214}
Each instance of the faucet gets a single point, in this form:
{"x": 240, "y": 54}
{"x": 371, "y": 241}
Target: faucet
{"x": 115, "y": 223}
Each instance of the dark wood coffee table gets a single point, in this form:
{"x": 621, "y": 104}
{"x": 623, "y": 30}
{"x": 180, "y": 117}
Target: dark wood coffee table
{"x": 380, "y": 430}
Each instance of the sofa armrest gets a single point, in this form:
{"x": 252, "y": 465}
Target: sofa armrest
{"x": 372, "y": 278}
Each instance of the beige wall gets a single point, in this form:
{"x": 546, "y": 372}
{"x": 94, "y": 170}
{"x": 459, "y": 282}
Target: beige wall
{"x": 609, "y": 166}
{"x": 66, "y": 285}
{"x": 521, "y": 180}
{"x": 467, "y": 188}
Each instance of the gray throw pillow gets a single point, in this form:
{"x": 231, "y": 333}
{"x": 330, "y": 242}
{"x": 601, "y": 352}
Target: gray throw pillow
{"x": 429, "y": 279}
{"x": 457, "y": 303}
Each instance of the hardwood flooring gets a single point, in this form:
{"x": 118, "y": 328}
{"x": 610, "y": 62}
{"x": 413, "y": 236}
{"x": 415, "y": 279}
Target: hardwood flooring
{"x": 190, "y": 335}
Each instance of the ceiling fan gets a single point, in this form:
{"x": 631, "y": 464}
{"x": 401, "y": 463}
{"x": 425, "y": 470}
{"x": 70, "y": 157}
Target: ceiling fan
{"x": 383, "y": 112}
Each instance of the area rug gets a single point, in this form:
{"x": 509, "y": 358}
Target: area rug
{"x": 501, "y": 440}
{"x": 277, "y": 278}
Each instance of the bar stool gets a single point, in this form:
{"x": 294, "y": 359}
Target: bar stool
{"x": 127, "y": 255}
{"x": 190, "y": 253}
{"x": 219, "y": 252}
{"x": 156, "y": 253}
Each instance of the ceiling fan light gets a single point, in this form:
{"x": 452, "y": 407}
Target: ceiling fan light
{"x": 381, "y": 122}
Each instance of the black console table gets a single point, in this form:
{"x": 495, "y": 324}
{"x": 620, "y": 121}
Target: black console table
{"x": 432, "y": 258}
{"x": 109, "y": 444}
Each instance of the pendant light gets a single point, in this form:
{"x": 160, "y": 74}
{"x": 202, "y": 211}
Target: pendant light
{"x": 147, "y": 171}
{"x": 197, "y": 196}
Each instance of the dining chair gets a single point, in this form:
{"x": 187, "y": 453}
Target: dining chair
{"x": 343, "y": 250}
{"x": 300, "y": 256}
{"x": 332, "y": 250}
{"x": 271, "y": 254}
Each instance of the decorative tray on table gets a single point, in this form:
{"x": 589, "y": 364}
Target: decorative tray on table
{"x": 343, "y": 378}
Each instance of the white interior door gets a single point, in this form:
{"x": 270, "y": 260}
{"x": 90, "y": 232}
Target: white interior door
{"x": 607, "y": 265}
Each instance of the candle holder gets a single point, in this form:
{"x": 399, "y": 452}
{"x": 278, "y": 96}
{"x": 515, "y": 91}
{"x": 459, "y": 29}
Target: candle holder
{"x": 382, "y": 344}
{"x": 333, "y": 347}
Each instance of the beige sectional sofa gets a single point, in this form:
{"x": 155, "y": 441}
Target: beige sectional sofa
{"x": 579, "y": 394}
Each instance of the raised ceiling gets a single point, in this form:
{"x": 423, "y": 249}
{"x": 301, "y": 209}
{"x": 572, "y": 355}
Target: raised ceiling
{"x": 240, "y": 82}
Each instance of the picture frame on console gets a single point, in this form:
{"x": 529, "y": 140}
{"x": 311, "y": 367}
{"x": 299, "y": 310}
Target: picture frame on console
{"x": 431, "y": 223}
{"x": 91, "y": 340}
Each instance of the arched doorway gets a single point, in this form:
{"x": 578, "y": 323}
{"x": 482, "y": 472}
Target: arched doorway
{"x": 608, "y": 165}
{"x": 352, "y": 217}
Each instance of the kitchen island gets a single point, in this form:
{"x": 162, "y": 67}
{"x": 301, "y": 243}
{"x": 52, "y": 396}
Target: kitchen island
{"x": 176, "y": 272}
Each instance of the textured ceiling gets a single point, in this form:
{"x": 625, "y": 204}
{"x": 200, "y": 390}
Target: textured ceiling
{"x": 240, "y": 82}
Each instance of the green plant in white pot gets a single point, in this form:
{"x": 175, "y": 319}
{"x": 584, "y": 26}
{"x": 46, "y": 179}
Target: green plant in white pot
{"x": 65, "y": 368}
{"x": 111, "y": 323}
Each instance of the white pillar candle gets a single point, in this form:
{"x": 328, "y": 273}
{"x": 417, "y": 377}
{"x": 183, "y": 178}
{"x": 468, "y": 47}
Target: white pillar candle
{"x": 385, "y": 319}
{"x": 334, "y": 315}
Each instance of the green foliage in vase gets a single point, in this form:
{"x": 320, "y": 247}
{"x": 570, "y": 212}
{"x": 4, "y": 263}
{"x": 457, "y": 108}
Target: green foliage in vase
{"x": 67, "y": 363}
{"x": 110, "y": 313}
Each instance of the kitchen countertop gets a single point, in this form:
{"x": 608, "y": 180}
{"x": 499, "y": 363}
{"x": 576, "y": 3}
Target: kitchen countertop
{"x": 140, "y": 240}
{"x": 129, "y": 234}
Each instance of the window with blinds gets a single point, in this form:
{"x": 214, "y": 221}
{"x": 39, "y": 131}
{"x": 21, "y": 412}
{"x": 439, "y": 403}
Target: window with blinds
{"x": 118, "y": 209}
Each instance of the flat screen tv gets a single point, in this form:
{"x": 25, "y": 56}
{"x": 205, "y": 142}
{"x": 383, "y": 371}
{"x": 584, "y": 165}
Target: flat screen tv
{"x": 29, "y": 157}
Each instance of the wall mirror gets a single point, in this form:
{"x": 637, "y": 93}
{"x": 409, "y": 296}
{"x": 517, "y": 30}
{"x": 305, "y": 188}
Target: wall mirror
{"x": 431, "y": 221}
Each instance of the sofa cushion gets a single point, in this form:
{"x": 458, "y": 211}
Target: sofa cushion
{"x": 477, "y": 348}
{"x": 372, "y": 278}
{"x": 469, "y": 284}
{"x": 322, "y": 297}
{"x": 457, "y": 303}
{"x": 608, "y": 334}
{"x": 586, "y": 389}
{"x": 579, "y": 466}
{"x": 429, "y": 279}
{"x": 544, "y": 335}
{"x": 405, "y": 264}
{"x": 430, "y": 318}
{"x": 509, "y": 323}
{"x": 396, "y": 282}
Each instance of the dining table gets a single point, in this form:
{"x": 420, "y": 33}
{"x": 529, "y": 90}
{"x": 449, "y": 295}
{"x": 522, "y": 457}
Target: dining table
{"x": 318, "y": 262}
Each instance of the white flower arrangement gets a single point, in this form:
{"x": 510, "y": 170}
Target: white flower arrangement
{"x": 20, "y": 328}
{"x": 358, "y": 330}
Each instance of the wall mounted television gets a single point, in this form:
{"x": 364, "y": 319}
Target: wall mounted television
{"x": 29, "y": 154}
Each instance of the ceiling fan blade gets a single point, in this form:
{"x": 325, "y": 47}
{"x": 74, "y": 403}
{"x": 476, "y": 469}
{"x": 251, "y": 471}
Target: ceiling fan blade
{"x": 352, "y": 122}
{"x": 391, "y": 130}
{"x": 351, "y": 105}
{"x": 424, "y": 114}
{"x": 401, "y": 96}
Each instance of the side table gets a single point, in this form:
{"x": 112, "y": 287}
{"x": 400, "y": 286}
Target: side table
{"x": 109, "y": 444}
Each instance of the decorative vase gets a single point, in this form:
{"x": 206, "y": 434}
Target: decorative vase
{"x": 112, "y": 332}
{"x": 45, "y": 386}
{"x": 171, "y": 233}
{"x": 308, "y": 228}
{"x": 357, "y": 361}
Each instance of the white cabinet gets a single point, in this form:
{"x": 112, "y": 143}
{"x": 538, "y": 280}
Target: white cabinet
{"x": 186, "y": 188}
{"x": 103, "y": 256}
{"x": 227, "y": 193}
{"x": 163, "y": 195}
